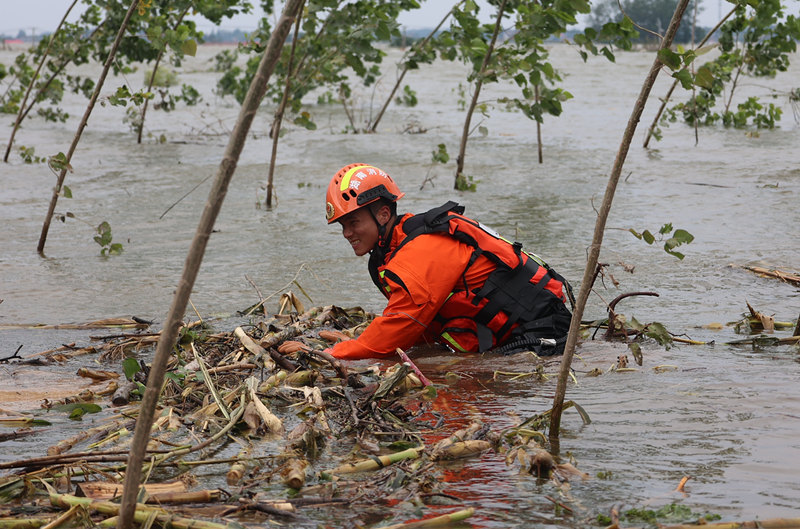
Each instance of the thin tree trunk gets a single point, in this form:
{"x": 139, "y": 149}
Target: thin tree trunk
{"x": 602, "y": 216}
{"x": 399, "y": 81}
{"x": 675, "y": 83}
{"x": 276, "y": 124}
{"x": 694, "y": 88}
{"x": 538, "y": 126}
{"x": 53, "y": 76}
{"x": 33, "y": 81}
{"x": 478, "y": 84}
{"x": 733, "y": 87}
{"x": 153, "y": 78}
{"x": 84, "y": 121}
{"x": 166, "y": 342}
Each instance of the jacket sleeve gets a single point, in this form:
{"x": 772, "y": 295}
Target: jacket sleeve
{"x": 421, "y": 277}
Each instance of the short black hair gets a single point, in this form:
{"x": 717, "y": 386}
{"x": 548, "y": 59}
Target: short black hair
{"x": 378, "y": 204}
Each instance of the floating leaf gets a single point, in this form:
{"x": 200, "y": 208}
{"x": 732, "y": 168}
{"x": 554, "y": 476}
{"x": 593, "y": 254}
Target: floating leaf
{"x": 659, "y": 333}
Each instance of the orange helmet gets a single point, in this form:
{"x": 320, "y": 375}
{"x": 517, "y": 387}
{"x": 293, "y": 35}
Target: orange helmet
{"x": 357, "y": 185}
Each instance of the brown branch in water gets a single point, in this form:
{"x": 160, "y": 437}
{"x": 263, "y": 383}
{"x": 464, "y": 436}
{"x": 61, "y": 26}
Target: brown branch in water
{"x": 627, "y": 295}
{"x": 612, "y": 316}
{"x": 340, "y": 369}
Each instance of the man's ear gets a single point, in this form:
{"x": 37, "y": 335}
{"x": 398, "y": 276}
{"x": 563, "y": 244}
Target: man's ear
{"x": 384, "y": 214}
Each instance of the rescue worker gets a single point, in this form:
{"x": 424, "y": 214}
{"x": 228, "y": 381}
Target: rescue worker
{"x": 447, "y": 278}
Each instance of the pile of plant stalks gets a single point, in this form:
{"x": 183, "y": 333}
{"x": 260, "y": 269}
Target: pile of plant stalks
{"x": 279, "y": 429}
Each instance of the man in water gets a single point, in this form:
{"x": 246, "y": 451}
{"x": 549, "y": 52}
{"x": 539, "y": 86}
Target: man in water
{"x": 447, "y": 278}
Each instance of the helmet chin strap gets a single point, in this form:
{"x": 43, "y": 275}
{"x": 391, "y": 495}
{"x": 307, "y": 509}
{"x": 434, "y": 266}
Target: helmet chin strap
{"x": 383, "y": 240}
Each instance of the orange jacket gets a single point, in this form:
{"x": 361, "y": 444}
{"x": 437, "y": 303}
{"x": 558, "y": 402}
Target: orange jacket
{"x": 424, "y": 282}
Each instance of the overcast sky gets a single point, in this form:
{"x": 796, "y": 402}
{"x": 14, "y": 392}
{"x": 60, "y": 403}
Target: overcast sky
{"x": 44, "y": 15}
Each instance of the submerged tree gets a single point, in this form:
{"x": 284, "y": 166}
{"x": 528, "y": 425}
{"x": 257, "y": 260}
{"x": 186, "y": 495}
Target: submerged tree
{"x": 756, "y": 42}
{"x": 155, "y": 28}
{"x": 520, "y": 55}
{"x": 650, "y": 16}
{"x": 336, "y": 49}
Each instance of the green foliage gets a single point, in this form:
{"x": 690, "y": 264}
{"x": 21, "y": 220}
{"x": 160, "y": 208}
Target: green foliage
{"x": 154, "y": 27}
{"x": 130, "y": 366}
{"x": 466, "y": 183}
{"x": 28, "y": 155}
{"x": 652, "y": 15}
{"x": 440, "y": 155}
{"x": 77, "y": 410}
{"x": 338, "y": 47}
{"x": 58, "y": 163}
{"x": 756, "y": 42}
{"x": 677, "y": 238}
{"x": 224, "y": 60}
{"x": 103, "y": 238}
{"x": 164, "y": 77}
{"x": 123, "y": 96}
{"x": 304, "y": 120}
{"x": 408, "y": 98}
{"x": 668, "y": 514}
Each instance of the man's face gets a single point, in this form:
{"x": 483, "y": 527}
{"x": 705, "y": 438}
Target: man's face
{"x": 360, "y": 230}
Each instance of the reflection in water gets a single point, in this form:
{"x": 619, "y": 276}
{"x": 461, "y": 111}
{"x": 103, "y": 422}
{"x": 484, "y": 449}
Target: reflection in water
{"x": 727, "y": 416}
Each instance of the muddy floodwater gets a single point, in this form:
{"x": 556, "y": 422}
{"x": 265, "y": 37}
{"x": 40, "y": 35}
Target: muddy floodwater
{"x": 726, "y": 415}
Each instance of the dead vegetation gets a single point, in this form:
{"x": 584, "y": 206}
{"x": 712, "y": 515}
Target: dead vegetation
{"x": 279, "y": 430}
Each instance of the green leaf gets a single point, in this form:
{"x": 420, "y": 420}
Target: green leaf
{"x": 685, "y": 77}
{"x": 59, "y": 163}
{"x": 130, "y": 366}
{"x": 104, "y": 234}
{"x": 659, "y": 333}
{"x": 85, "y": 407}
{"x": 669, "y": 58}
{"x": 683, "y": 236}
{"x": 705, "y": 49}
{"x": 189, "y": 47}
{"x": 648, "y": 237}
{"x": 666, "y": 228}
{"x": 636, "y": 351}
{"x": 635, "y": 325}
{"x": 23, "y": 423}
{"x": 429, "y": 392}
{"x": 704, "y": 78}
{"x": 382, "y": 31}
{"x": 67, "y": 192}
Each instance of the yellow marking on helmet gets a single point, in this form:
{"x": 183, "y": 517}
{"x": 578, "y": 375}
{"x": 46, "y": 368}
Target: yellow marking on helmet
{"x": 348, "y": 175}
